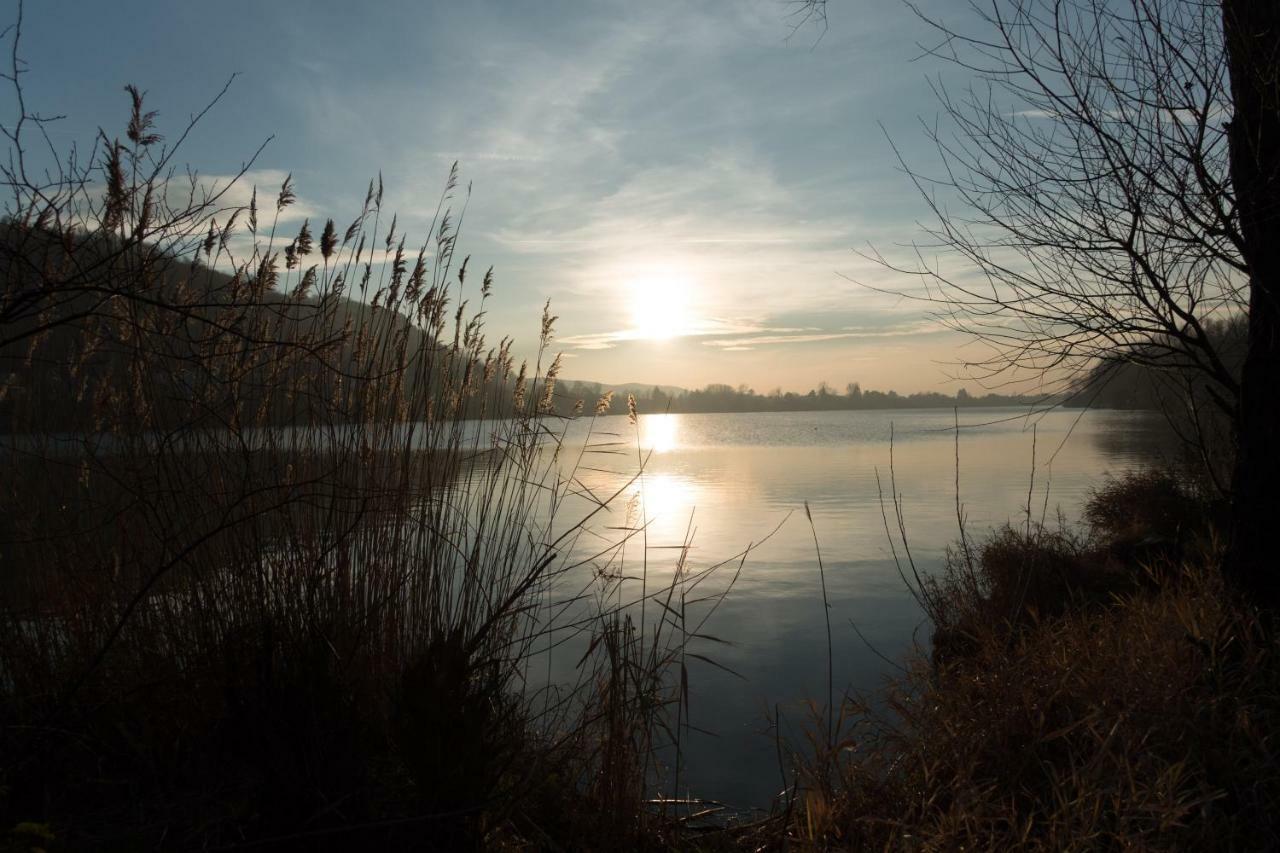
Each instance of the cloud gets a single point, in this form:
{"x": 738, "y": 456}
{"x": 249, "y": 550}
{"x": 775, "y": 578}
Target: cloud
{"x": 805, "y": 337}
{"x": 702, "y": 329}
{"x": 234, "y": 193}
{"x": 499, "y": 156}
{"x": 765, "y": 340}
{"x": 606, "y": 142}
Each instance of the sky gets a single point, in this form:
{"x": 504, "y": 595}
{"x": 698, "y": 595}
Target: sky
{"x": 693, "y": 185}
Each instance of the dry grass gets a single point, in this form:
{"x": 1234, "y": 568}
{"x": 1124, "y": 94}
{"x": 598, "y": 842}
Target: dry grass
{"x": 1126, "y": 716}
{"x": 282, "y": 532}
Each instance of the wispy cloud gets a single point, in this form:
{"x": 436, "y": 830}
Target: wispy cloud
{"x": 603, "y": 142}
{"x": 236, "y": 193}
{"x": 702, "y": 329}
{"x": 801, "y": 336}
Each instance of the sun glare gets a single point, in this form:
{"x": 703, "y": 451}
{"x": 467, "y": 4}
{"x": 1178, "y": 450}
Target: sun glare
{"x": 659, "y": 432}
{"x": 666, "y": 501}
{"x": 660, "y": 306}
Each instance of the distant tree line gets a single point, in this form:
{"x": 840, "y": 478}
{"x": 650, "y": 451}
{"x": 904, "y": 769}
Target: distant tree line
{"x": 719, "y": 397}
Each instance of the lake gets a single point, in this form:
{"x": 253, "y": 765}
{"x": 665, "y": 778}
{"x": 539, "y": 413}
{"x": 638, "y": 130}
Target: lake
{"x": 729, "y": 480}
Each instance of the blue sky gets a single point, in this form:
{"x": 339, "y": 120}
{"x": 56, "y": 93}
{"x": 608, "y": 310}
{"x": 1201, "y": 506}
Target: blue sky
{"x": 682, "y": 180}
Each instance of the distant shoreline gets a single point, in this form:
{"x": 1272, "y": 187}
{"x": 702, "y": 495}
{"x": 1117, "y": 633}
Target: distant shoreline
{"x": 572, "y": 397}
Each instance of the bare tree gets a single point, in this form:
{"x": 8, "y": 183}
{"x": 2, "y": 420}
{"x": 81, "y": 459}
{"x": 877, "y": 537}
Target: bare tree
{"x": 1089, "y": 166}
{"x": 1108, "y": 194}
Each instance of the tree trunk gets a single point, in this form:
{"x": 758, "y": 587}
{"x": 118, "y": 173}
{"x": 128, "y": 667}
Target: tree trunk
{"x": 1252, "y": 40}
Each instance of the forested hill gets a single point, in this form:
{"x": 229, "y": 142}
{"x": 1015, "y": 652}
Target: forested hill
{"x": 113, "y": 324}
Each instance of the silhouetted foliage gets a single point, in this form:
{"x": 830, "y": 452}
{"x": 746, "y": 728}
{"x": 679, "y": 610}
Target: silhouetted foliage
{"x": 266, "y": 581}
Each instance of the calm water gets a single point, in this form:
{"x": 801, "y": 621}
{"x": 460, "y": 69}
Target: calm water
{"x": 728, "y": 480}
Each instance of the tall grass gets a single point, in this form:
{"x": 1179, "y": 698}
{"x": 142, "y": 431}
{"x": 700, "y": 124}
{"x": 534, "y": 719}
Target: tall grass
{"x": 283, "y": 532}
{"x": 1086, "y": 689}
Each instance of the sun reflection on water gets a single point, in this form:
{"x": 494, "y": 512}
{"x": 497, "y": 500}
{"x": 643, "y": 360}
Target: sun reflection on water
{"x": 667, "y": 502}
{"x": 660, "y": 433}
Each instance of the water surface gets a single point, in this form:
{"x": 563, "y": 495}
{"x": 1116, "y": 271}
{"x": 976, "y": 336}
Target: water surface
{"x": 725, "y": 481}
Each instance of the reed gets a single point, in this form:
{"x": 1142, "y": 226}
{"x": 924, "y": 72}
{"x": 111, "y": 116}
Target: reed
{"x": 283, "y": 531}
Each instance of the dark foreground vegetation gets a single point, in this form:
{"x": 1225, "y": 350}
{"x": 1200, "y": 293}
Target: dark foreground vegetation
{"x": 265, "y": 583}
{"x": 1083, "y": 691}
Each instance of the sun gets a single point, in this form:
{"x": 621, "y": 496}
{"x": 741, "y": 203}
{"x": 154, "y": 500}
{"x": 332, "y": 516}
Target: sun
{"x": 659, "y": 305}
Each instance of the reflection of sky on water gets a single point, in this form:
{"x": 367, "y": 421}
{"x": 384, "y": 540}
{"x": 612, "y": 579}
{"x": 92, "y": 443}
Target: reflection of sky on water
{"x": 733, "y": 479}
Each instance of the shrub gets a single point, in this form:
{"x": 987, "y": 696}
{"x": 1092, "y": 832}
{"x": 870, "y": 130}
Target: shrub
{"x": 1145, "y": 725}
{"x": 1150, "y": 516}
{"x": 1087, "y": 690}
{"x": 1140, "y": 528}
